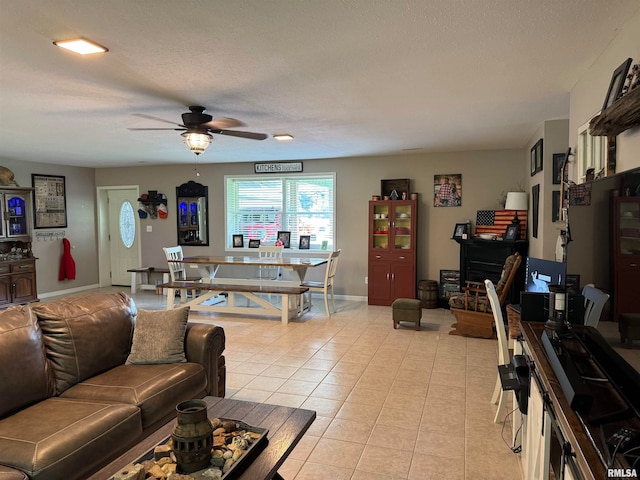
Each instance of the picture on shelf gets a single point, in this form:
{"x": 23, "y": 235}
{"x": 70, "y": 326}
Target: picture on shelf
{"x": 285, "y": 239}
{"x": 305, "y": 242}
{"x": 511, "y": 234}
{"x": 238, "y": 241}
{"x": 447, "y": 190}
{"x": 617, "y": 82}
{"x": 254, "y": 243}
{"x": 460, "y": 231}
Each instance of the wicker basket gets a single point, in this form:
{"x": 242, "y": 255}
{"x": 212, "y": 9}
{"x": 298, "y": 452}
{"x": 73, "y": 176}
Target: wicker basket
{"x": 513, "y": 318}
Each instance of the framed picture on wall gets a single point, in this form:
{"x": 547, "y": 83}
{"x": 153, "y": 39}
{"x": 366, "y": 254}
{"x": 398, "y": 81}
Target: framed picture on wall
{"x": 558, "y": 164}
{"x": 50, "y": 201}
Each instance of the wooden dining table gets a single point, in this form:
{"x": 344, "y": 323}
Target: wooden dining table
{"x": 282, "y": 298}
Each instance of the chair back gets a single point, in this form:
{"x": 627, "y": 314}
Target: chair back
{"x": 511, "y": 265}
{"x": 332, "y": 266}
{"x": 594, "y": 301}
{"x": 176, "y": 270}
{"x": 269, "y": 251}
{"x": 503, "y": 345}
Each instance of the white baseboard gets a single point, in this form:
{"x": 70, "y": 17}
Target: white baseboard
{"x": 68, "y": 291}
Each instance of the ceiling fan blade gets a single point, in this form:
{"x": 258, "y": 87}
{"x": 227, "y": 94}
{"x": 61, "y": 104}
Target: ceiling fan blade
{"x": 151, "y": 117}
{"x": 236, "y": 133}
{"x": 173, "y": 129}
{"x": 224, "y": 122}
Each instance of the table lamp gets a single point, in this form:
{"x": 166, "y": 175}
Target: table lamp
{"x": 516, "y": 201}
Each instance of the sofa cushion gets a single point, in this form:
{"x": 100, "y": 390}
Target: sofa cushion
{"x": 65, "y": 438}
{"x": 86, "y": 334}
{"x": 155, "y": 389}
{"x": 158, "y": 336}
{"x": 21, "y": 346}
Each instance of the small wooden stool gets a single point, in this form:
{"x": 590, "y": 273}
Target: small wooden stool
{"x": 406, "y": 310}
{"x": 629, "y": 327}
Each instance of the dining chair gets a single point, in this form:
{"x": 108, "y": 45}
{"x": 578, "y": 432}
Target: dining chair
{"x": 594, "y": 301}
{"x": 326, "y": 287}
{"x": 269, "y": 272}
{"x": 177, "y": 272}
{"x": 499, "y": 396}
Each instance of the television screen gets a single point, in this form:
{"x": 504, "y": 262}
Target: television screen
{"x": 542, "y": 273}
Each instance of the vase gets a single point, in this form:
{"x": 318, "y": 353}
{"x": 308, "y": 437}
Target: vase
{"x": 192, "y": 436}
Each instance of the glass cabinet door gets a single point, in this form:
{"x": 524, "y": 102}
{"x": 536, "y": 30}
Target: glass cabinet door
{"x": 403, "y": 221}
{"x": 629, "y": 234}
{"x": 16, "y": 216}
{"x": 380, "y": 234}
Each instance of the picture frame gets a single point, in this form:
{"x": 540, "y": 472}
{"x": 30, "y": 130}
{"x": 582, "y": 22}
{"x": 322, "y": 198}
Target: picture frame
{"x": 447, "y": 190}
{"x": 325, "y": 245}
{"x": 285, "y": 238}
{"x": 572, "y": 283}
{"x": 558, "y": 167}
{"x": 536, "y": 154}
{"x": 305, "y": 242}
{"x": 511, "y": 233}
{"x": 535, "y": 208}
{"x": 238, "y": 241}
{"x": 555, "y": 205}
{"x": 614, "y": 92}
{"x": 460, "y": 231}
{"x": 50, "y": 201}
{"x": 254, "y": 243}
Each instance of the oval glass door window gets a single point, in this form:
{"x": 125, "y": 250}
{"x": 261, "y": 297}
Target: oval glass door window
{"x": 127, "y": 224}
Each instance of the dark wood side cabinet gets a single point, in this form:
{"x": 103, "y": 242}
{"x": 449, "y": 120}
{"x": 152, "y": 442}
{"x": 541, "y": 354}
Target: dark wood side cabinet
{"x": 17, "y": 263}
{"x": 392, "y": 250}
{"x": 626, "y": 255}
{"x": 482, "y": 259}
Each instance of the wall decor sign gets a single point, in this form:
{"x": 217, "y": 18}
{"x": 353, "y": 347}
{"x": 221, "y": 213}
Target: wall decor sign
{"x": 277, "y": 167}
{"x": 50, "y": 201}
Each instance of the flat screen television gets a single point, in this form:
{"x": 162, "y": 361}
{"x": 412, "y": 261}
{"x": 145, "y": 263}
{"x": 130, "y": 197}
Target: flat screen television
{"x": 542, "y": 273}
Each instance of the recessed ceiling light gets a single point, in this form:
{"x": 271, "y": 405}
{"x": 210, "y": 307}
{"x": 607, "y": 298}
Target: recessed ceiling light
{"x": 283, "y": 137}
{"x": 81, "y": 46}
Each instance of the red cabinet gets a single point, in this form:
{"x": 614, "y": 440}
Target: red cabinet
{"x": 626, "y": 261}
{"x": 392, "y": 250}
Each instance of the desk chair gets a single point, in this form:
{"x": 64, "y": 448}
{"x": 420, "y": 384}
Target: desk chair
{"x": 594, "y": 301}
{"x": 499, "y": 396}
{"x": 177, "y": 272}
{"x": 326, "y": 287}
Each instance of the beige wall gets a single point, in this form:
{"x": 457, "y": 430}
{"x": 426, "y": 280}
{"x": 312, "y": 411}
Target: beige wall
{"x": 485, "y": 175}
{"x": 80, "y": 230}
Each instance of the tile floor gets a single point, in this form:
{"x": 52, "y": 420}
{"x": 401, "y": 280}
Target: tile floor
{"x": 391, "y": 404}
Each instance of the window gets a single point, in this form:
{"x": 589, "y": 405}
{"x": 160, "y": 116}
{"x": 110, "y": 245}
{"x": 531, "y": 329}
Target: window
{"x": 591, "y": 153}
{"x": 258, "y": 206}
{"x": 127, "y": 224}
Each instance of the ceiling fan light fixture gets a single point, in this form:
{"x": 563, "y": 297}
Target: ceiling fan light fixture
{"x": 197, "y": 142}
{"x": 81, "y": 46}
{"x": 283, "y": 137}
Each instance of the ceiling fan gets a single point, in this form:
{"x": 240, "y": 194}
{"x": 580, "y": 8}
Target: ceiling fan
{"x": 198, "y": 127}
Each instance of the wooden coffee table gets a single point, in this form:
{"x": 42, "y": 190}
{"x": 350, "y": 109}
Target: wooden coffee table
{"x": 286, "y": 427}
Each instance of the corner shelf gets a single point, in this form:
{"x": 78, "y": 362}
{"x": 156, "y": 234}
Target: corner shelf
{"x": 619, "y": 117}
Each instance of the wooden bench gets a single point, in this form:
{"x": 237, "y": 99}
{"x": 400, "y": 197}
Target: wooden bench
{"x": 145, "y": 272}
{"x": 249, "y": 291}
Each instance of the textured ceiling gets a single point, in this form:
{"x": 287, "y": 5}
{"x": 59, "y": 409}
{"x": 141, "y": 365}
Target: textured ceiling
{"x": 345, "y": 77}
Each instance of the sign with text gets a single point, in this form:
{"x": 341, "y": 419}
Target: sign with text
{"x": 277, "y": 167}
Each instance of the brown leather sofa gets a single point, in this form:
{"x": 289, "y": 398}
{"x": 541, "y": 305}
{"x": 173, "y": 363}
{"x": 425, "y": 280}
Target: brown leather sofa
{"x": 69, "y": 404}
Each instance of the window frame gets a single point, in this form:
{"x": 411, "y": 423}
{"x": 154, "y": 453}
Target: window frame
{"x": 283, "y": 178}
{"x": 591, "y": 153}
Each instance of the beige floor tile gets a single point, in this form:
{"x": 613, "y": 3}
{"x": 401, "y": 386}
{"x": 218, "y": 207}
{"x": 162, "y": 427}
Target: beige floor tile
{"x": 431, "y": 467}
{"x": 334, "y": 392}
{"x": 397, "y": 438}
{"x": 250, "y": 368}
{"x": 297, "y": 387}
{"x": 316, "y": 471}
{"x": 385, "y": 461}
{"x": 359, "y": 475}
{"x": 249, "y": 395}
{"x": 339, "y": 378}
{"x": 398, "y": 398}
{"x": 344, "y": 366}
{"x": 279, "y": 371}
{"x": 270, "y": 384}
{"x": 319, "y": 364}
{"x": 336, "y": 453}
{"x": 323, "y": 406}
{"x": 286, "y": 399}
{"x": 319, "y": 426}
{"x": 238, "y": 380}
{"x": 348, "y": 430}
{"x": 290, "y": 361}
{"x": 359, "y": 412}
{"x": 439, "y": 444}
{"x": 290, "y": 468}
{"x": 367, "y": 396}
{"x": 304, "y": 447}
{"x": 309, "y": 374}
{"x": 400, "y": 417}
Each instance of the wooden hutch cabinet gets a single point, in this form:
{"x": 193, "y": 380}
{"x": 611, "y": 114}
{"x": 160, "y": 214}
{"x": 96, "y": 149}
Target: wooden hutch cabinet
{"x": 17, "y": 263}
{"x": 626, "y": 255}
{"x": 392, "y": 250}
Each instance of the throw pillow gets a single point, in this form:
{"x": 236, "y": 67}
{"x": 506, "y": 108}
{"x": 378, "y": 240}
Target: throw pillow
{"x": 158, "y": 336}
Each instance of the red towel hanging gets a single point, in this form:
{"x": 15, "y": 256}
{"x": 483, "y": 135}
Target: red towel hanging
{"x": 67, "y": 264}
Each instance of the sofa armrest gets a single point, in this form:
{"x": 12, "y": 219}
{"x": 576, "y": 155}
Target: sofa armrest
{"x": 8, "y": 473}
{"x": 204, "y": 344}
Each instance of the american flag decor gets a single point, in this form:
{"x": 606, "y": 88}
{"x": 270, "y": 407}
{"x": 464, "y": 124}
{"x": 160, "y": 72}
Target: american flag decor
{"x": 495, "y": 222}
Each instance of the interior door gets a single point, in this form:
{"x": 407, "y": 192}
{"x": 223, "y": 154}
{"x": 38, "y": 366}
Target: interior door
{"x": 124, "y": 236}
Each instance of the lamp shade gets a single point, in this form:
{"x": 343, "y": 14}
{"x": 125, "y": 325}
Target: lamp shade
{"x": 516, "y": 201}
